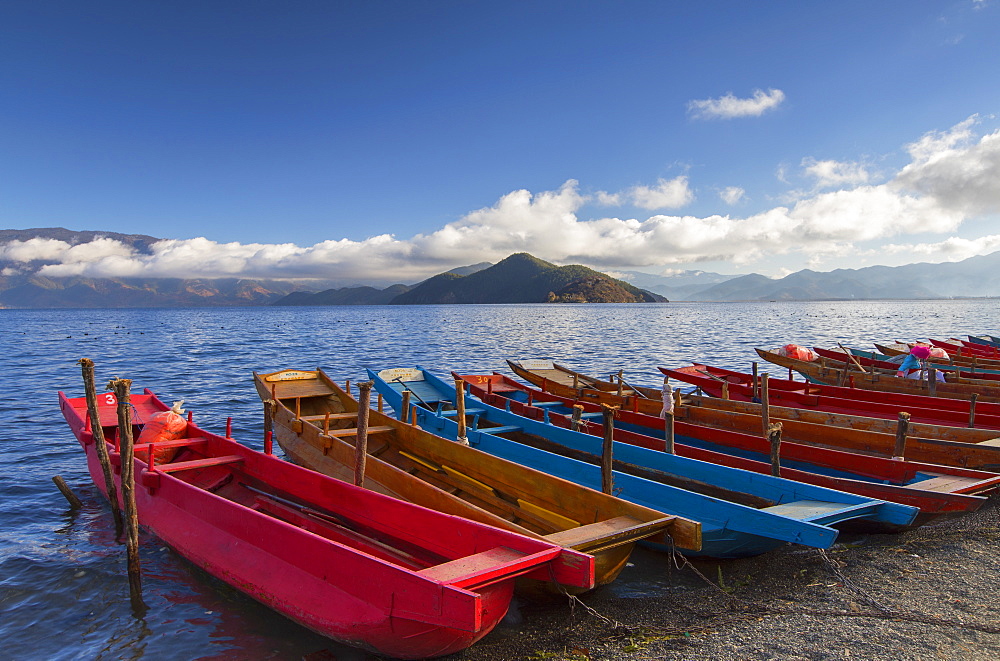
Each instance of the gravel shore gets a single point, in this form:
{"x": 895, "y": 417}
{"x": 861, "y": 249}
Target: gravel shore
{"x": 928, "y": 593}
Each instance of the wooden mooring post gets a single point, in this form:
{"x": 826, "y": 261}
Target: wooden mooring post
{"x": 902, "y": 428}
{"x": 100, "y": 443}
{"x": 74, "y": 502}
{"x": 460, "y": 411}
{"x": 774, "y": 436}
{"x": 361, "y": 448}
{"x": 765, "y": 405}
{"x": 607, "y": 449}
{"x": 972, "y": 409}
{"x": 404, "y": 408}
{"x": 576, "y": 422}
{"x": 121, "y": 388}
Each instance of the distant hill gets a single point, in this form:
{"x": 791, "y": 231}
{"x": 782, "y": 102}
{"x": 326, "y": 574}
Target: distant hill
{"x": 345, "y": 296}
{"x": 39, "y": 292}
{"x": 677, "y": 286}
{"x": 522, "y": 278}
{"x": 976, "y": 276}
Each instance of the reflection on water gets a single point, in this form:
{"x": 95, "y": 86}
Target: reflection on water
{"x": 62, "y": 588}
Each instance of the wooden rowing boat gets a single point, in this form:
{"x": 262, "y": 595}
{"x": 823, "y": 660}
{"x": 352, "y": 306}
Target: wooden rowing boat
{"x": 933, "y": 488}
{"x": 870, "y": 362}
{"x": 729, "y": 384}
{"x": 901, "y": 348}
{"x": 811, "y": 418}
{"x": 819, "y": 372}
{"x": 354, "y": 565}
{"x": 742, "y": 513}
{"x": 560, "y": 380}
{"x": 315, "y": 423}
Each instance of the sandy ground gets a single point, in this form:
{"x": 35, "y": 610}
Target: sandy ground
{"x": 928, "y": 593}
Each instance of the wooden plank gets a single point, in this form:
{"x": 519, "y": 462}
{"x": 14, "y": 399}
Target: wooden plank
{"x": 594, "y": 532}
{"x": 805, "y": 509}
{"x": 466, "y": 570}
{"x": 559, "y": 520}
{"x": 462, "y": 477}
{"x": 179, "y": 443}
{"x": 352, "y": 431}
{"x": 943, "y": 483}
{"x": 199, "y": 463}
{"x": 333, "y": 416}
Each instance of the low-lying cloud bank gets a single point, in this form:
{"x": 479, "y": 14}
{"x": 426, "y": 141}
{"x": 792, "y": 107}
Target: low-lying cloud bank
{"x": 951, "y": 178}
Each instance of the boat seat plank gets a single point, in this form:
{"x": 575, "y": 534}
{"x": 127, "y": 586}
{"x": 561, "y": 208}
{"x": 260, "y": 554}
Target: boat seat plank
{"x": 452, "y": 413}
{"x": 199, "y": 463}
{"x": 353, "y": 431}
{"x": 544, "y": 404}
{"x": 803, "y": 510}
{"x": 944, "y": 483}
{"x": 594, "y": 532}
{"x": 467, "y": 570}
{"x": 179, "y": 443}
{"x": 294, "y": 389}
{"x": 333, "y": 416}
{"x": 503, "y": 429}
{"x": 993, "y": 442}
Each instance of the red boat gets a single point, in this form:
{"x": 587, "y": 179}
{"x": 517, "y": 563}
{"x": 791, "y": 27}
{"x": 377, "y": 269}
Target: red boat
{"x": 863, "y": 363}
{"x": 365, "y": 569}
{"x": 968, "y": 349}
{"x": 834, "y": 399}
{"x": 933, "y": 488}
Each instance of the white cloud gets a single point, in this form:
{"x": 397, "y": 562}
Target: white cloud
{"x": 952, "y": 249}
{"x": 33, "y": 249}
{"x": 732, "y": 194}
{"x": 729, "y": 106}
{"x": 951, "y": 177}
{"x": 671, "y": 194}
{"x": 832, "y": 174}
{"x": 608, "y": 199}
{"x": 958, "y": 175}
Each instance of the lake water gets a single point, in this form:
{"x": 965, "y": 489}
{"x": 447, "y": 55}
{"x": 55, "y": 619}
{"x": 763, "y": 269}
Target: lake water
{"x": 63, "y": 594}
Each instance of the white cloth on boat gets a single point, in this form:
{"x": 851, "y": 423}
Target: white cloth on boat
{"x": 668, "y": 398}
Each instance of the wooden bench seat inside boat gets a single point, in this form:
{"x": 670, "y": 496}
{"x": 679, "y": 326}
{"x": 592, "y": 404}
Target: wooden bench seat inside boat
{"x": 199, "y": 463}
{"x": 593, "y": 532}
{"x": 333, "y": 416}
{"x": 944, "y": 483}
{"x": 804, "y": 509}
{"x": 353, "y": 431}
{"x": 467, "y": 571}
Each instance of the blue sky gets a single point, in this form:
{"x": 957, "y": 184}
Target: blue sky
{"x": 373, "y": 141}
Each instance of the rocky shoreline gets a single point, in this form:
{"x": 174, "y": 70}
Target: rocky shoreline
{"x": 927, "y": 593}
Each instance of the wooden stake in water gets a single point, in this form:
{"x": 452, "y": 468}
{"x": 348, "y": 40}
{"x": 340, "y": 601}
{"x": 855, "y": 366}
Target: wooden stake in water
{"x": 972, "y": 409}
{"x": 74, "y": 502}
{"x": 753, "y": 368}
{"x": 460, "y": 411}
{"x": 607, "y": 450}
{"x": 774, "y": 436}
{"x": 101, "y": 444}
{"x": 902, "y": 427}
{"x": 121, "y": 388}
{"x": 361, "y": 449}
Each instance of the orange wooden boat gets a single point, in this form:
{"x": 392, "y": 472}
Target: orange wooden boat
{"x": 315, "y": 422}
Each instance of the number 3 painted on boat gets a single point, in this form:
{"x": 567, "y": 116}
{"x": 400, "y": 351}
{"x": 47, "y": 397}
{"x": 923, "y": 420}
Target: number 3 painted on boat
{"x": 109, "y": 399}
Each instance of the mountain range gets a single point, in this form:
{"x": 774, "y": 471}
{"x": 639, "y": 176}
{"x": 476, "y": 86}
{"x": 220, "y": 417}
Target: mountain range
{"x": 517, "y": 279}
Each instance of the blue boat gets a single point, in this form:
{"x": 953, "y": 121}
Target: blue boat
{"x": 746, "y": 514}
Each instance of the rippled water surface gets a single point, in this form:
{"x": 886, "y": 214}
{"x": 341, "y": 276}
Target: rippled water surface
{"x": 62, "y": 589}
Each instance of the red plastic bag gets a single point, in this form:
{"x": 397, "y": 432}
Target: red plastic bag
{"x": 164, "y": 426}
{"x": 798, "y": 352}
